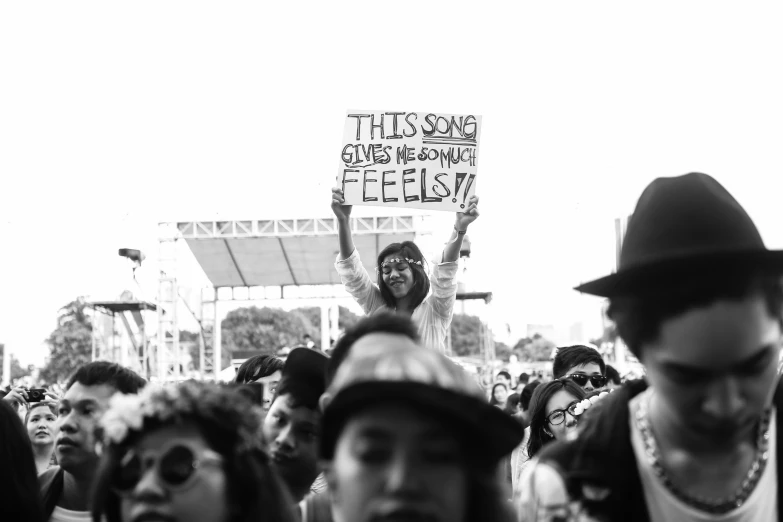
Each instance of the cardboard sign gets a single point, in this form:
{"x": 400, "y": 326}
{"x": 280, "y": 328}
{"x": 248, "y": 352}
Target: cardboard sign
{"x": 409, "y": 159}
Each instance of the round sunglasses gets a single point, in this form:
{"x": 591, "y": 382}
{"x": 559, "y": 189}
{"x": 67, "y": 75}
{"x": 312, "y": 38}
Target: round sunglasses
{"x": 176, "y": 465}
{"x": 598, "y": 381}
{"x": 557, "y": 417}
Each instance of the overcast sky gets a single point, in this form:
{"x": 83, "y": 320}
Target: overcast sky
{"x": 114, "y": 117}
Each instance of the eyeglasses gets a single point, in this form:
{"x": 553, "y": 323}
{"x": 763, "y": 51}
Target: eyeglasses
{"x": 176, "y": 466}
{"x": 598, "y": 381}
{"x": 558, "y": 416}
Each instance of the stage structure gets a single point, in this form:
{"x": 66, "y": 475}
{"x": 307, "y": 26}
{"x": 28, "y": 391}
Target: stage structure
{"x": 262, "y": 260}
{"x": 128, "y": 346}
{"x": 271, "y": 260}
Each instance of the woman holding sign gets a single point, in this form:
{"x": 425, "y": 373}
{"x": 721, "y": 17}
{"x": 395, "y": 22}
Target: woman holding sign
{"x": 402, "y": 281}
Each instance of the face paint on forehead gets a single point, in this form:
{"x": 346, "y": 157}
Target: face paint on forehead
{"x": 400, "y": 260}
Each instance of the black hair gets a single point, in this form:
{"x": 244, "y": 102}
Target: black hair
{"x": 524, "y": 378}
{"x": 381, "y": 322}
{"x": 538, "y": 436}
{"x": 505, "y": 374}
{"x": 421, "y": 283}
{"x": 512, "y": 403}
{"x": 257, "y": 367}
{"x": 527, "y": 394}
{"x": 613, "y": 375}
{"x": 639, "y": 318}
{"x": 18, "y": 481}
{"x": 492, "y": 400}
{"x": 120, "y": 378}
{"x": 254, "y": 490}
{"x": 302, "y": 392}
{"x": 577, "y": 355}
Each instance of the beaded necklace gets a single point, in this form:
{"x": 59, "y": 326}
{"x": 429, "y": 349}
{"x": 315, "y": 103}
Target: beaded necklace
{"x": 708, "y": 505}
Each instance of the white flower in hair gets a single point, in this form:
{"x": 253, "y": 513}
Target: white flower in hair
{"x": 585, "y": 404}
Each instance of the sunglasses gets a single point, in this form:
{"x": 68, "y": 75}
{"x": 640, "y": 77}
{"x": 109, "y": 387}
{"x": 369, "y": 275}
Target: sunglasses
{"x": 598, "y": 381}
{"x": 176, "y": 466}
{"x": 558, "y": 416}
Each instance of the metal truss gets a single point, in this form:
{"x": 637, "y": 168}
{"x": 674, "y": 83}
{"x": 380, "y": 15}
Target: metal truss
{"x": 169, "y": 356}
{"x": 296, "y": 227}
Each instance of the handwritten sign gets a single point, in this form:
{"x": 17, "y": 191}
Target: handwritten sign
{"x": 409, "y": 159}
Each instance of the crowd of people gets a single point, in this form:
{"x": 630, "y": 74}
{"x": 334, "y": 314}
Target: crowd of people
{"x": 387, "y": 428}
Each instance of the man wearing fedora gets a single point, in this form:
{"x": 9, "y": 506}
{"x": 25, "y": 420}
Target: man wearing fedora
{"x": 697, "y": 298}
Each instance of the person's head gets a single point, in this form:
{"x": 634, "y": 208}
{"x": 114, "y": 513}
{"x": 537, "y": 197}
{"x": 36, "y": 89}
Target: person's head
{"x": 264, "y": 370}
{"x": 499, "y": 395}
{"x": 409, "y": 434}
{"x": 582, "y": 364}
{"x": 552, "y": 415}
{"x": 505, "y": 378}
{"x": 41, "y": 423}
{"x": 697, "y": 298}
{"x": 292, "y": 426}
{"x": 186, "y": 452}
{"x": 512, "y": 404}
{"x": 613, "y": 377}
{"x": 86, "y": 398}
{"x": 524, "y": 398}
{"x": 401, "y": 273}
{"x": 386, "y": 328}
{"x": 710, "y": 349}
{"x": 524, "y": 378}
{"x": 18, "y": 480}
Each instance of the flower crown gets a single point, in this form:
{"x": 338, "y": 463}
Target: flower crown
{"x": 585, "y": 404}
{"x": 128, "y": 413}
{"x": 399, "y": 260}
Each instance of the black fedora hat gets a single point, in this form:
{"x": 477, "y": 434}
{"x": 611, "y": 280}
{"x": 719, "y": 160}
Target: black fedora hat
{"x": 682, "y": 227}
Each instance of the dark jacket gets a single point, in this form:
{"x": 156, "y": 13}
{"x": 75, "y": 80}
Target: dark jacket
{"x": 51, "y": 484}
{"x": 602, "y": 460}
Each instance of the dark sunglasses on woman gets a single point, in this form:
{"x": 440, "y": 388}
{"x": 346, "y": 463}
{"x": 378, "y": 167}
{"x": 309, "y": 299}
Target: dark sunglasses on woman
{"x": 598, "y": 381}
{"x": 176, "y": 465}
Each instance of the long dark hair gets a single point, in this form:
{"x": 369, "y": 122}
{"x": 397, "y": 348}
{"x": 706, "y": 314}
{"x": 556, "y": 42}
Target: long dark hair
{"x": 254, "y": 489}
{"x": 538, "y": 437}
{"x": 421, "y": 283}
{"x": 492, "y": 400}
{"x": 19, "y": 492}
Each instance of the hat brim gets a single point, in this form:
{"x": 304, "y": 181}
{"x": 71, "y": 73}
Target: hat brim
{"x": 492, "y": 433}
{"x": 660, "y": 276}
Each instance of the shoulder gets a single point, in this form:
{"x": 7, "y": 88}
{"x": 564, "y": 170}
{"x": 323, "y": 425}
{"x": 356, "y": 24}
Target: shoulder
{"x": 46, "y": 478}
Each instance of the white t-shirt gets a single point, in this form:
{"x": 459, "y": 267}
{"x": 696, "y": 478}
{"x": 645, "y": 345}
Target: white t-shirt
{"x": 663, "y": 506}
{"x": 66, "y": 515}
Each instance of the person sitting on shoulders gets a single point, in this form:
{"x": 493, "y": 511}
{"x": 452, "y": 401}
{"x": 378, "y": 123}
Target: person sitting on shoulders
{"x": 402, "y": 284}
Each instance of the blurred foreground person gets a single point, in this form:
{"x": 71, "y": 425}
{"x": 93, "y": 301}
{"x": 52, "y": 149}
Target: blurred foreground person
{"x": 293, "y": 424}
{"x": 408, "y": 435}
{"x": 41, "y": 424}
{"x": 375, "y": 334}
{"x": 697, "y": 299}
{"x": 19, "y": 498}
{"x": 66, "y": 488}
{"x": 186, "y": 453}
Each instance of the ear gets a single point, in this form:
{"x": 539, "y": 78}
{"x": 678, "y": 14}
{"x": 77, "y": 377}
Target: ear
{"x": 324, "y": 401}
{"x": 546, "y": 430}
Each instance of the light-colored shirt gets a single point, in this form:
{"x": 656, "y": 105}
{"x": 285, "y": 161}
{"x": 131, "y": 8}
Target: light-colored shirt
{"x": 519, "y": 461}
{"x": 66, "y": 515}
{"x": 433, "y": 315}
{"x": 663, "y": 506}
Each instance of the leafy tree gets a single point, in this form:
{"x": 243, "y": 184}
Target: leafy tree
{"x": 266, "y": 330}
{"x": 17, "y": 371}
{"x": 346, "y": 319}
{"x": 70, "y": 344}
{"x": 465, "y": 335}
{"x": 536, "y": 348}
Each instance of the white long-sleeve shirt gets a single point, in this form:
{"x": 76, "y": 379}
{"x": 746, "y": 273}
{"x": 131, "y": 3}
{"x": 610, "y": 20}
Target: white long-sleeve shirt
{"x": 433, "y": 315}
